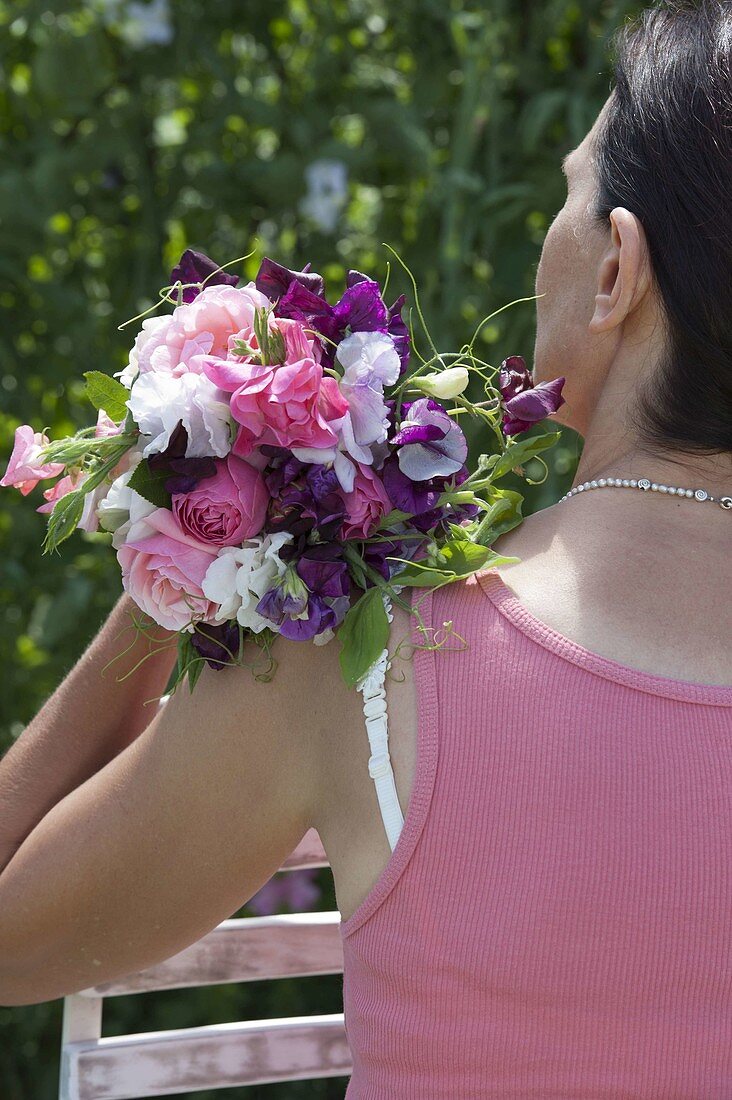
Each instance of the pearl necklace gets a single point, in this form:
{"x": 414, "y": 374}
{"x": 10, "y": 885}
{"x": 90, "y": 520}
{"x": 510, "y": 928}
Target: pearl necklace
{"x": 645, "y": 485}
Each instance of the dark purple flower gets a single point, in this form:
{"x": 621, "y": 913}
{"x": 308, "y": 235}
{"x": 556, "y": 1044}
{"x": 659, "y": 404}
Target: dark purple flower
{"x": 429, "y": 442}
{"x": 419, "y": 498}
{"x": 414, "y": 497}
{"x": 531, "y": 406}
{"x": 195, "y": 267}
{"x": 218, "y": 643}
{"x": 523, "y": 403}
{"x": 324, "y": 570}
{"x": 185, "y": 473}
{"x": 299, "y": 295}
{"x": 273, "y": 279}
{"x": 376, "y": 553}
{"x": 513, "y": 377}
{"x": 303, "y": 497}
{"x": 361, "y": 307}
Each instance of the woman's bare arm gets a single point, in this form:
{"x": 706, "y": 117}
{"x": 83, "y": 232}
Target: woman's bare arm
{"x": 91, "y": 717}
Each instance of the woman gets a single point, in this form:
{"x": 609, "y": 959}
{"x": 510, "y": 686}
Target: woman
{"x": 556, "y": 918}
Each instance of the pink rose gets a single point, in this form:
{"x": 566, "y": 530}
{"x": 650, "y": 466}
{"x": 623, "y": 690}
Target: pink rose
{"x": 299, "y": 343}
{"x": 367, "y": 502}
{"x": 163, "y": 569}
{"x": 204, "y": 326}
{"x": 227, "y": 508}
{"x": 294, "y": 405}
{"x": 25, "y": 468}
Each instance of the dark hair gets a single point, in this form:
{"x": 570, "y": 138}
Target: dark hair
{"x": 664, "y": 152}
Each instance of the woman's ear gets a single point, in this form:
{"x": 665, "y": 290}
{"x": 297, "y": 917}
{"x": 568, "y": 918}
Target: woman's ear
{"x": 623, "y": 273}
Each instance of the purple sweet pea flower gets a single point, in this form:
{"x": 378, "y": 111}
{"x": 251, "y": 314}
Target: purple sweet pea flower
{"x": 419, "y": 498}
{"x": 195, "y": 267}
{"x": 513, "y": 377}
{"x": 299, "y": 295}
{"x": 319, "y": 583}
{"x": 531, "y": 406}
{"x": 185, "y": 473}
{"x": 395, "y": 326}
{"x": 523, "y": 403}
{"x": 429, "y": 442}
{"x": 216, "y": 642}
{"x": 303, "y": 497}
{"x": 324, "y": 570}
{"x": 273, "y": 279}
{"x": 376, "y": 553}
{"x": 289, "y": 596}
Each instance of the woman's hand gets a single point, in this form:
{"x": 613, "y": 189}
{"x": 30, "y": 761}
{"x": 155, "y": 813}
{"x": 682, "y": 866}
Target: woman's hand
{"x": 95, "y": 713}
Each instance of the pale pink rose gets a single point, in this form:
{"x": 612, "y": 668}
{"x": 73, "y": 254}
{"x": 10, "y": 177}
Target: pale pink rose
{"x": 227, "y": 508}
{"x": 163, "y": 569}
{"x": 367, "y": 502}
{"x": 203, "y": 326}
{"x": 294, "y": 405}
{"x": 25, "y": 468}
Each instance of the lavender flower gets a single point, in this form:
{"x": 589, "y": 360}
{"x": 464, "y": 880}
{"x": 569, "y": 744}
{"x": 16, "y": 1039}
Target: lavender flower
{"x": 429, "y": 442}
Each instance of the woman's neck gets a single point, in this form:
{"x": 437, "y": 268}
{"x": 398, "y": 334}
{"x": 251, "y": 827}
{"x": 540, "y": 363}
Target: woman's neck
{"x": 677, "y": 468}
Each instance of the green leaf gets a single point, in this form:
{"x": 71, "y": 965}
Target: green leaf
{"x": 195, "y": 668}
{"x": 363, "y": 634}
{"x": 150, "y": 484}
{"x": 519, "y": 452}
{"x": 462, "y": 557}
{"x": 107, "y": 393}
{"x": 503, "y": 515}
{"x": 395, "y": 516}
{"x": 64, "y": 519}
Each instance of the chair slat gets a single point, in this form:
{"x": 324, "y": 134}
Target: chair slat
{"x": 159, "y": 1063}
{"x": 243, "y": 950}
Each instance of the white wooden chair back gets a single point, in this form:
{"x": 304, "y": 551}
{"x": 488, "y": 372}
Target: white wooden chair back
{"x": 160, "y": 1063}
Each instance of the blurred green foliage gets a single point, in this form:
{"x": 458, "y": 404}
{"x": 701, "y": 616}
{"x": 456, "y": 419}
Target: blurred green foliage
{"x": 129, "y": 131}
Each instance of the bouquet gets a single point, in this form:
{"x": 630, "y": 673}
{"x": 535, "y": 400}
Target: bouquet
{"x": 270, "y": 463}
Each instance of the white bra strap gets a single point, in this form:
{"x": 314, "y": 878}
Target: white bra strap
{"x": 380, "y": 769}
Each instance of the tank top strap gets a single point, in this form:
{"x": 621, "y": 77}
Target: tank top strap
{"x": 373, "y": 690}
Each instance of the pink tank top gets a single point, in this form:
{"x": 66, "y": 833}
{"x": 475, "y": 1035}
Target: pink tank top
{"x": 555, "y": 920}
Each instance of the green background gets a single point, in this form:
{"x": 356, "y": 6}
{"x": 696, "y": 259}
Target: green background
{"x": 117, "y": 152}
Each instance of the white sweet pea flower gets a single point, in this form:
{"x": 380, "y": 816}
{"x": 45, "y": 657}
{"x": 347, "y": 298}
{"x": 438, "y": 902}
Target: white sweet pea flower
{"x": 123, "y": 508}
{"x": 443, "y": 384}
{"x": 239, "y": 576}
{"x": 158, "y": 402}
{"x": 369, "y": 357}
